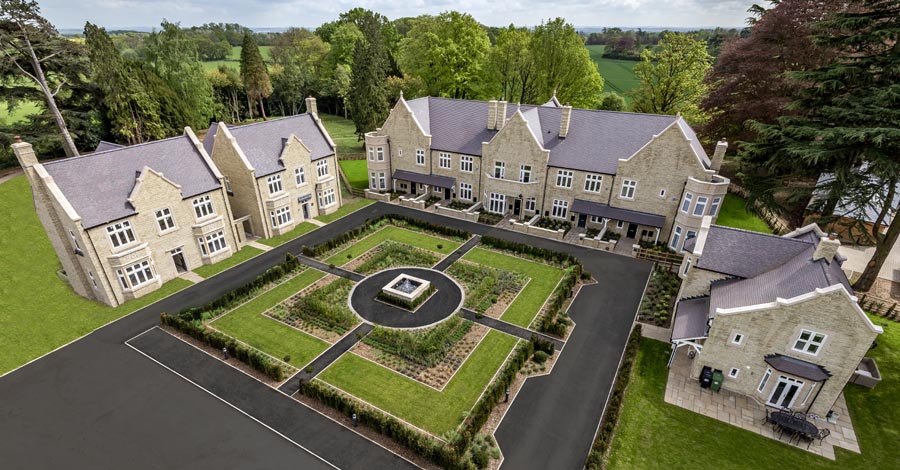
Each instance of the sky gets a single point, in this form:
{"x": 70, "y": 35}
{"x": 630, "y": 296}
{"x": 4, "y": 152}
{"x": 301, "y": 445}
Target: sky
{"x": 69, "y": 14}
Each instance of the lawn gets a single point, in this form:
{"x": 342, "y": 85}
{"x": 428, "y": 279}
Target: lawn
{"x": 247, "y": 324}
{"x": 654, "y": 434}
{"x": 343, "y": 132}
{"x": 38, "y": 311}
{"x": 234, "y": 59}
{"x": 210, "y": 270}
{"x": 618, "y": 75}
{"x": 544, "y": 279}
{"x": 399, "y": 235}
{"x": 434, "y": 411}
{"x": 734, "y": 213}
{"x": 348, "y": 207}
{"x": 355, "y": 171}
{"x": 294, "y": 233}
{"x": 22, "y": 111}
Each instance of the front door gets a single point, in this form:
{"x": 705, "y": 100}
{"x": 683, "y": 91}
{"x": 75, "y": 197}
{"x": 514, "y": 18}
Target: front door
{"x": 305, "y": 208}
{"x": 785, "y": 392}
{"x": 178, "y": 259}
{"x": 412, "y": 188}
{"x": 632, "y": 231}
{"x": 446, "y": 193}
{"x": 582, "y": 220}
{"x": 517, "y": 206}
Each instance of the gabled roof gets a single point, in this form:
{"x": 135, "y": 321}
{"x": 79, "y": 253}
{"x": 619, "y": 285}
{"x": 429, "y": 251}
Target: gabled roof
{"x": 98, "y": 185}
{"x": 743, "y": 253}
{"x": 691, "y": 319}
{"x": 104, "y": 146}
{"x": 263, "y": 142}
{"x": 595, "y": 142}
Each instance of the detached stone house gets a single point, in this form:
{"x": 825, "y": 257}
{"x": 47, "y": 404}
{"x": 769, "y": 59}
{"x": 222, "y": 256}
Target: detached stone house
{"x": 775, "y": 314}
{"x": 643, "y": 176}
{"x": 125, "y": 220}
{"x": 277, "y": 173}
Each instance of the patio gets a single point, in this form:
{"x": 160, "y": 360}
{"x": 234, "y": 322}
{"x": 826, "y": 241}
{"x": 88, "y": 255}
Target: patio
{"x": 746, "y": 413}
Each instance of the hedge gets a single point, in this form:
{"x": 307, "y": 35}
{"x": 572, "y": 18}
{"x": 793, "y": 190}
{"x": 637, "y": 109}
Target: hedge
{"x": 596, "y": 458}
{"x": 555, "y": 257}
{"x": 393, "y": 219}
{"x": 426, "y": 347}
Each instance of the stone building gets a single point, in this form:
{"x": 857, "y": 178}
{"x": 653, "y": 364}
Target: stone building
{"x": 277, "y": 173}
{"x": 645, "y": 177}
{"x": 127, "y": 219}
{"x": 776, "y": 315}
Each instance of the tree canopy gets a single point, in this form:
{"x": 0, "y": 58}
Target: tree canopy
{"x": 672, "y": 77}
{"x": 564, "y": 66}
{"x": 254, "y": 74}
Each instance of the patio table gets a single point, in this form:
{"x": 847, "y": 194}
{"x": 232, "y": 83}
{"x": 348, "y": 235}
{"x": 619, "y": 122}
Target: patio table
{"x": 794, "y": 424}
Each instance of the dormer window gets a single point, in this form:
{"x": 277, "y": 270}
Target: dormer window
{"x": 203, "y": 207}
{"x": 274, "y": 183}
{"x": 120, "y": 234}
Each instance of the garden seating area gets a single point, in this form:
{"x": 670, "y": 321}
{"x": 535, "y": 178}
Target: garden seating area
{"x": 796, "y": 426}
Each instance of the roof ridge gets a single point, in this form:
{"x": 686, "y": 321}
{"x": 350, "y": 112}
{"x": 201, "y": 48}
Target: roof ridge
{"x": 538, "y": 106}
{"x": 122, "y": 148}
{"x": 282, "y": 118}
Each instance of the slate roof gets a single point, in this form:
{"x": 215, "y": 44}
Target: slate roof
{"x": 743, "y": 253}
{"x": 595, "y": 142}
{"x": 616, "y": 213}
{"x": 691, "y": 319}
{"x": 98, "y": 185}
{"x": 104, "y": 146}
{"x": 431, "y": 180}
{"x": 798, "y": 367}
{"x": 262, "y": 142}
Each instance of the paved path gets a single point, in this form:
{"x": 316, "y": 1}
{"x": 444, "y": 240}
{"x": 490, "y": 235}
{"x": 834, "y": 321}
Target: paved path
{"x": 458, "y": 253}
{"x": 509, "y": 328}
{"x": 325, "y": 359}
{"x": 341, "y": 272}
{"x": 319, "y": 435}
{"x": 258, "y": 245}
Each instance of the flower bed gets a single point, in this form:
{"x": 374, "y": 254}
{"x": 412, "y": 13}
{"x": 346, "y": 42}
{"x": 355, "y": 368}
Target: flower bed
{"x": 659, "y": 299}
{"x": 459, "y": 205}
{"x": 392, "y": 254}
{"x": 489, "y": 218}
{"x": 326, "y": 307}
{"x": 553, "y": 224}
{"x": 426, "y": 347}
{"x": 485, "y": 286}
{"x": 432, "y": 200}
{"x": 609, "y": 235}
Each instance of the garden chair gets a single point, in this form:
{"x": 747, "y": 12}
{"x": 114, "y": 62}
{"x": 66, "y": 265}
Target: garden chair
{"x": 823, "y": 433}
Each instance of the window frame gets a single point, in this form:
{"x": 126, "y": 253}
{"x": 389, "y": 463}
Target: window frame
{"x": 737, "y": 338}
{"x": 559, "y": 205}
{"x": 300, "y": 176}
{"x": 203, "y": 207}
{"x": 628, "y": 189}
{"x": 131, "y": 276}
{"x": 525, "y": 173}
{"x": 379, "y": 154}
{"x": 809, "y": 342}
{"x": 274, "y": 184}
{"x": 322, "y": 169}
{"x": 700, "y": 206}
{"x": 420, "y": 157}
{"x": 686, "y": 203}
{"x": 466, "y": 163}
{"x": 281, "y": 216}
{"x": 565, "y": 179}
{"x": 677, "y": 232}
{"x": 531, "y": 204}
{"x": 464, "y": 189}
{"x": 498, "y": 198}
{"x": 445, "y": 160}
{"x": 212, "y": 240}
{"x": 592, "y": 179}
{"x": 499, "y": 170}
{"x": 714, "y": 206}
{"x": 120, "y": 234}
{"x": 326, "y": 194}
{"x": 165, "y": 215}
{"x": 734, "y": 372}
{"x": 764, "y": 381}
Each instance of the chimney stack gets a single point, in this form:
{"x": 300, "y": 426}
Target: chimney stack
{"x": 719, "y": 155}
{"x": 24, "y": 153}
{"x": 501, "y": 114}
{"x": 564, "y": 121}
{"x": 492, "y": 115}
{"x": 311, "y": 107}
{"x": 827, "y": 248}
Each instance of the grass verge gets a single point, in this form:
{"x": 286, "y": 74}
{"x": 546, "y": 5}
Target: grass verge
{"x": 397, "y": 234}
{"x": 352, "y": 206}
{"x": 210, "y": 270}
{"x": 734, "y": 213}
{"x": 294, "y": 233}
{"x": 355, "y": 171}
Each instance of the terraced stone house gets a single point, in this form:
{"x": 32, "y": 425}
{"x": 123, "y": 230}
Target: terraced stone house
{"x": 643, "y": 176}
{"x": 776, "y": 315}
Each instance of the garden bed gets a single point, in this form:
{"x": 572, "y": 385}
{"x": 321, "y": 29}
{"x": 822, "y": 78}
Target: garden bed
{"x": 281, "y": 313}
{"x": 659, "y": 299}
{"x": 489, "y": 218}
{"x": 553, "y": 224}
{"x": 325, "y": 307}
{"x": 459, "y": 205}
{"x": 488, "y": 290}
{"x": 392, "y": 254}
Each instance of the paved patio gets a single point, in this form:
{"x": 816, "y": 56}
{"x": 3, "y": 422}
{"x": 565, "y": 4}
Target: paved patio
{"x": 746, "y": 413}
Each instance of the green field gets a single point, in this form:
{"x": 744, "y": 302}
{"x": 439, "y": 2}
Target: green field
{"x": 421, "y": 405}
{"x": 618, "y": 75}
{"x": 343, "y": 132}
{"x": 655, "y": 434}
{"x": 38, "y": 311}
{"x": 25, "y": 109}
{"x": 355, "y": 170}
{"x": 544, "y": 279}
{"x": 734, "y": 213}
{"x": 234, "y": 59}
{"x": 397, "y": 234}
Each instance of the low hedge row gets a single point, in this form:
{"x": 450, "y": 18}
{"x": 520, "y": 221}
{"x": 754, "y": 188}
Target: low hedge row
{"x": 255, "y": 359}
{"x": 553, "y": 322}
{"x": 427, "y": 347}
{"x": 554, "y": 257}
{"x": 394, "y": 219}
{"x": 596, "y": 458}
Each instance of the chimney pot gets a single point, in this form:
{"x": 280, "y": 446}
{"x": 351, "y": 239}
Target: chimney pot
{"x": 311, "y": 107}
{"x": 827, "y": 248}
{"x": 564, "y": 121}
{"x": 501, "y": 114}
{"x": 492, "y": 115}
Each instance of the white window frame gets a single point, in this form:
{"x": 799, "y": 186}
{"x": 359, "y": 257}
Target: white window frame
{"x": 274, "y": 183}
{"x": 734, "y": 372}
{"x": 662, "y": 192}
{"x": 809, "y": 342}
{"x": 371, "y": 153}
{"x": 138, "y": 274}
{"x": 120, "y": 234}
{"x": 327, "y": 198}
{"x": 564, "y": 178}
{"x": 738, "y": 338}
{"x": 676, "y": 238}
{"x": 165, "y": 221}
{"x": 322, "y": 169}
{"x": 764, "y": 381}
{"x": 465, "y": 191}
{"x": 203, "y": 207}
{"x": 788, "y": 381}
{"x": 466, "y": 164}
{"x": 629, "y": 187}
{"x": 714, "y": 207}
{"x": 300, "y": 175}
{"x": 444, "y": 160}
{"x": 700, "y": 206}
{"x": 620, "y": 224}
{"x": 382, "y": 181}
{"x": 212, "y": 243}
{"x": 530, "y": 204}
{"x": 525, "y": 173}
{"x": 593, "y": 183}
{"x": 281, "y": 216}
{"x": 687, "y": 267}
{"x": 499, "y": 170}
{"x": 559, "y": 209}
{"x": 228, "y": 188}
{"x": 497, "y": 203}
{"x": 686, "y": 202}
{"x": 420, "y": 157}
{"x": 379, "y": 154}
{"x": 93, "y": 281}
{"x": 75, "y": 241}
{"x": 596, "y": 220}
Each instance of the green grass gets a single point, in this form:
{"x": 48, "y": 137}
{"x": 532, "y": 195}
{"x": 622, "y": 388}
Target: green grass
{"x": 210, "y": 270}
{"x": 399, "y": 235}
{"x": 543, "y": 280}
{"x": 294, "y": 233}
{"x": 343, "y": 132}
{"x": 734, "y": 213}
{"x": 247, "y": 324}
{"x": 38, "y": 311}
{"x": 356, "y": 172}
{"x": 20, "y": 114}
{"x": 654, "y": 434}
{"x": 618, "y": 75}
{"x": 234, "y": 59}
{"x": 423, "y": 406}
{"x": 347, "y": 208}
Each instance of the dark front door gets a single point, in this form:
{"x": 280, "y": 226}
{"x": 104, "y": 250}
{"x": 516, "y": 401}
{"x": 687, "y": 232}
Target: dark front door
{"x": 446, "y": 193}
{"x": 517, "y": 206}
{"x": 632, "y": 231}
{"x": 582, "y": 220}
{"x": 305, "y": 208}
{"x": 178, "y": 259}
{"x": 412, "y": 188}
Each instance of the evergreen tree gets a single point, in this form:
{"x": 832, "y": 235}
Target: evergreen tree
{"x": 672, "y": 77}
{"x": 849, "y": 124}
{"x": 368, "y": 102}
{"x": 254, "y": 75}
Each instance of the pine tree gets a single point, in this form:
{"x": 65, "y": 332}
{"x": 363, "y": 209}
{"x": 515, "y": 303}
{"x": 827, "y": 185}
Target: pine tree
{"x": 849, "y": 123}
{"x": 254, "y": 74}
{"x": 368, "y": 83}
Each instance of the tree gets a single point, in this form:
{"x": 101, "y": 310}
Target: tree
{"x": 447, "y": 52}
{"x": 564, "y": 66}
{"x": 368, "y": 88}
{"x": 612, "y": 102}
{"x": 509, "y": 69}
{"x": 303, "y": 71}
{"x": 27, "y": 42}
{"x": 672, "y": 77}
{"x": 227, "y": 89}
{"x": 254, "y": 75}
{"x": 848, "y": 124}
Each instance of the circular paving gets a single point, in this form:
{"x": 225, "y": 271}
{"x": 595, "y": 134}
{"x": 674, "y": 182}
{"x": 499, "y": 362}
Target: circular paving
{"x": 446, "y": 300}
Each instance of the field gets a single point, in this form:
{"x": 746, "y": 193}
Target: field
{"x": 234, "y": 59}
{"x": 343, "y": 132}
{"x": 618, "y": 75}
{"x": 734, "y": 213}
{"x": 355, "y": 170}
{"x": 19, "y": 114}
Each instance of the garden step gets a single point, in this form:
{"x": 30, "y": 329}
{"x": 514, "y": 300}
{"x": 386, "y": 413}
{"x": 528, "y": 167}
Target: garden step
{"x": 458, "y": 253}
{"x": 316, "y": 264}
{"x": 509, "y": 328}
{"x": 307, "y": 373}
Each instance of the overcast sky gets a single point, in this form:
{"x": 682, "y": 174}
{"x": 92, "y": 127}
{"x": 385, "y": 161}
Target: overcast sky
{"x": 66, "y": 14}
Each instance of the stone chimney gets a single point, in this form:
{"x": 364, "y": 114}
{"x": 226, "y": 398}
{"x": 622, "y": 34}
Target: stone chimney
{"x": 827, "y": 248}
{"x": 492, "y": 115}
{"x": 311, "y": 106}
{"x": 24, "y": 153}
{"x": 501, "y": 114}
{"x": 719, "y": 155}
{"x": 564, "y": 121}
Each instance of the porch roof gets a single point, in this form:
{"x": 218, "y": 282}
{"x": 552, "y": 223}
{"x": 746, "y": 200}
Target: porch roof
{"x": 691, "y": 317}
{"x": 430, "y": 180}
{"x": 798, "y": 367}
{"x": 606, "y": 211}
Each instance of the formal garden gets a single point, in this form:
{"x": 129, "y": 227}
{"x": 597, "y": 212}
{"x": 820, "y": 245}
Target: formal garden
{"x": 430, "y": 388}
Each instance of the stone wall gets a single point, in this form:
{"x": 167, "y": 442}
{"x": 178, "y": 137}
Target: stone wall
{"x": 463, "y": 215}
{"x": 383, "y": 197}
{"x": 404, "y": 137}
{"x": 528, "y": 228}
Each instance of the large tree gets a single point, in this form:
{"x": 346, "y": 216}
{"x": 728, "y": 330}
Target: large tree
{"x": 509, "y": 69}
{"x": 368, "y": 82}
{"x": 850, "y": 120}
{"x": 672, "y": 77}
{"x": 564, "y": 66}
{"x": 255, "y": 75}
{"x": 27, "y": 42}
{"x": 301, "y": 57}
